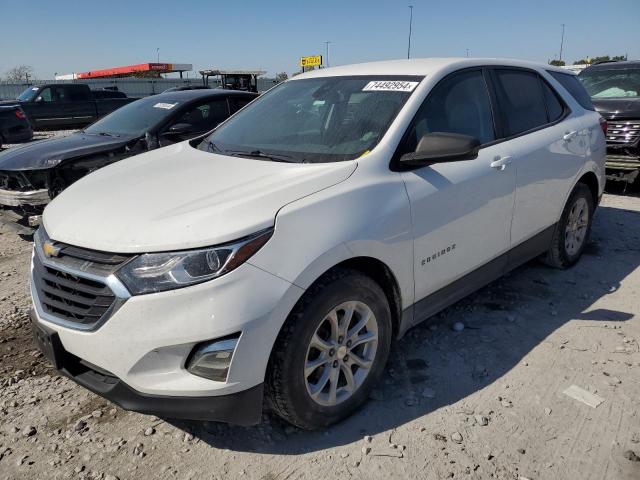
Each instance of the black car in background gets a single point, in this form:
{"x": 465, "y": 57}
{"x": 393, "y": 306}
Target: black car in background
{"x": 186, "y": 87}
{"x": 67, "y": 105}
{"x": 14, "y": 125}
{"x": 614, "y": 88}
{"x": 33, "y": 174}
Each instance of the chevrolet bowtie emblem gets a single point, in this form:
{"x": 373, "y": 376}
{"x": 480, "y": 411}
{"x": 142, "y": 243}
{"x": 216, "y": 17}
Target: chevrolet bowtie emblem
{"x": 50, "y": 250}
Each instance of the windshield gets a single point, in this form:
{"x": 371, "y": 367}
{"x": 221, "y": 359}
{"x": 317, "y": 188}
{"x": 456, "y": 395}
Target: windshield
{"x": 616, "y": 83}
{"x": 325, "y": 119}
{"x": 28, "y": 94}
{"x": 136, "y": 118}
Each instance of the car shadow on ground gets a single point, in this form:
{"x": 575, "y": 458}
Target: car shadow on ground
{"x": 504, "y": 322}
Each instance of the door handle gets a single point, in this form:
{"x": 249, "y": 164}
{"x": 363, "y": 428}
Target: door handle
{"x": 568, "y": 136}
{"x": 500, "y": 163}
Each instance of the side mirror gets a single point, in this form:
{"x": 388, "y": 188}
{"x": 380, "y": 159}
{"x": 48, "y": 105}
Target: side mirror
{"x": 440, "y": 148}
{"x": 179, "y": 129}
{"x": 39, "y": 100}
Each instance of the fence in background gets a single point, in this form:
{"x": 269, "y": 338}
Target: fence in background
{"x": 133, "y": 87}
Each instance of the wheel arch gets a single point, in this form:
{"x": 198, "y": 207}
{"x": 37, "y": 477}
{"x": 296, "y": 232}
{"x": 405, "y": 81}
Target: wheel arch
{"x": 376, "y": 269}
{"x": 591, "y": 180}
{"x": 380, "y": 273}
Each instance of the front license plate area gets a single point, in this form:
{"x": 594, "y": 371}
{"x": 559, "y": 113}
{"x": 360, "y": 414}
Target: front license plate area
{"x": 50, "y": 345}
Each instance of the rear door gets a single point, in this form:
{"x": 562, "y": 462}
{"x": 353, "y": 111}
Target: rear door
{"x": 79, "y": 103}
{"x": 547, "y": 143}
{"x": 461, "y": 211}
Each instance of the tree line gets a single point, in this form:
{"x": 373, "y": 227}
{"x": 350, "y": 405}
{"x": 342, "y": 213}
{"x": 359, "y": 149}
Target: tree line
{"x": 590, "y": 60}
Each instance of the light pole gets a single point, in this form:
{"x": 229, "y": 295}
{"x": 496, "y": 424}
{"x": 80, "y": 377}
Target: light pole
{"x": 326, "y": 45}
{"x": 561, "y": 42}
{"x": 410, "y": 23}
{"x": 158, "y": 54}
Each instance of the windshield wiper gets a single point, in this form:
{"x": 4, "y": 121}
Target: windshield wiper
{"x": 258, "y": 154}
{"x": 213, "y": 147}
{"x": 107, "y": 134}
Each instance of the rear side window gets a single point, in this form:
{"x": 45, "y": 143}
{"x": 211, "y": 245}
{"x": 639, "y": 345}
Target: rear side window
{"x": 555, "y": 108}
{"x": 77, "y": 94}
{"x": 236, "y": 103}
{"x": 206, "y": 116}
{"x": 575, "y": 88}
{"x": 521, "y": 100}
{"x": 459, "y": 104}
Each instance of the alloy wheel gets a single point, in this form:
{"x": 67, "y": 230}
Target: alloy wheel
{"x": 576, "y": 229}
{"x": 341, "y": 353}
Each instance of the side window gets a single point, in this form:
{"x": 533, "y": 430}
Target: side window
{"x": 459, "y": 104}
{"x": 555, "y": 108}
{"x": 206, "y": 116}
{"x": 571, "y": 83}
{"x": 77, "y": 94}
{"x": 236, "y": 103}
{"x": 520, "y": 100}
{"x": 60, "y": 94}
{"x": 46, "y": 95}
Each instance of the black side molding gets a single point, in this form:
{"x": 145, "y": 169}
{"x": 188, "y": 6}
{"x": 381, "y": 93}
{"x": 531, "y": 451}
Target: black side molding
{"x": 494, "y": 269}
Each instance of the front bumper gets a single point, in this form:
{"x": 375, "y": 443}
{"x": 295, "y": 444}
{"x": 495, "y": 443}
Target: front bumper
{"x": 242, "y": 408}
{"x": 142, "y": 347}
{"x": 13, "y": 198}
{"x": 19, "y": 209}
{"x": 622, "y": 168}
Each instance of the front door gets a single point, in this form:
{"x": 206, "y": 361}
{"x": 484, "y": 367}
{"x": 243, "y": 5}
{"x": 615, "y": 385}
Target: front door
{"x": 461, "y": 211}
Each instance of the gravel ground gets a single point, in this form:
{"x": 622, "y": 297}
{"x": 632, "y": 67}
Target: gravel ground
{"x": 40, "y": 136}
{"x": 483, "y": 402}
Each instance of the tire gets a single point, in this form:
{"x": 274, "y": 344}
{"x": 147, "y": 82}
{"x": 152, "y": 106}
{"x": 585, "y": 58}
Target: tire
{"x": 293, "y": 384}
{"x": 563, "y": 253}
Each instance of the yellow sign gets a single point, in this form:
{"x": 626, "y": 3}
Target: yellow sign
{"x": 313, "y": 61}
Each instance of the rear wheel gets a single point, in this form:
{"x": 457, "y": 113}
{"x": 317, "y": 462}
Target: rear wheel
{"x": 331, "y": 350}
{"x": 572, "y": 232}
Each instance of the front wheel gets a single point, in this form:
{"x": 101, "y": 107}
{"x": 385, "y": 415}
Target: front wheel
{"x": 331, "y": 350}
{"x": 572, "y": 232}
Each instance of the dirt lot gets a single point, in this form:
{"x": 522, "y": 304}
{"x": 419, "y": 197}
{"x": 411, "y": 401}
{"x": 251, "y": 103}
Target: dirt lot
{"x": 485, "y": 402}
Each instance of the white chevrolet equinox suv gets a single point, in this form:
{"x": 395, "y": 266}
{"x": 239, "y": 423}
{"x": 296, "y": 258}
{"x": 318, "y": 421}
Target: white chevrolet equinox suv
{"x": 274, "y": 260}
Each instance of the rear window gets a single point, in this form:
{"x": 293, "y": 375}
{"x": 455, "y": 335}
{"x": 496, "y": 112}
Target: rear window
{"x": 575, "y": 88}
{"x": 611, "y": 83}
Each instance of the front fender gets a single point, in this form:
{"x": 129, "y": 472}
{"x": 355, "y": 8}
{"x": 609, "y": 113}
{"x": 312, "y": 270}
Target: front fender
{"x": 366, "y": 216}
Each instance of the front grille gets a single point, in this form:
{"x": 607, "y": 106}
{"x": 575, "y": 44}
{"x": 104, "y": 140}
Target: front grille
{"x": 70, "y": 297}
{"x": 623, "y": 132}
{"x": 72, "y": 287}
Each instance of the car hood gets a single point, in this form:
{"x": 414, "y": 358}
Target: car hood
{"x": 614, "y": 108}
{"x": 49, "y": 153}
{"x": 178, "y": 197}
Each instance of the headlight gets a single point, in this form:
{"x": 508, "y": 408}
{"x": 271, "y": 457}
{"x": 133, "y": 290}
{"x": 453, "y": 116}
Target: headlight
{"x": 157, "y": 272}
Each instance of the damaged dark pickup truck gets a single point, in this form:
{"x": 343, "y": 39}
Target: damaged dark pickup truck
{"x": 33, "y": 174}
{"x": 614, "y": 88}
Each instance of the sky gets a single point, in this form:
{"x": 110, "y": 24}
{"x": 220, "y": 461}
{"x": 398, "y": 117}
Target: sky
{"x": 64, "y": 36}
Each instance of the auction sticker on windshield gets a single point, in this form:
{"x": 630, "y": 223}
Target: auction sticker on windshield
{"x": 390, "y": 86}
{"x": 166, "y": 106}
